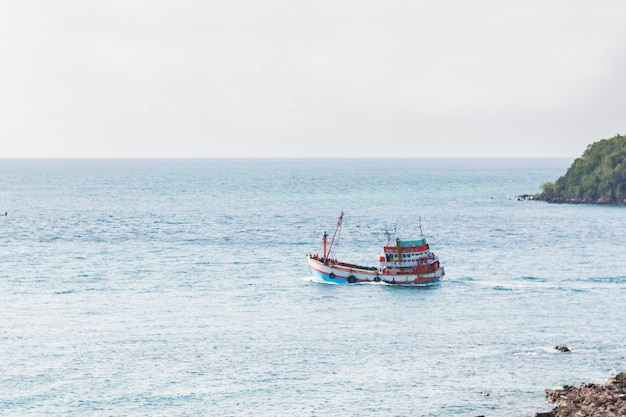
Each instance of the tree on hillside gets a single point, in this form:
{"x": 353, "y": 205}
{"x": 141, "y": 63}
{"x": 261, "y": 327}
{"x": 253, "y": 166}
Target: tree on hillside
{"x": 599, "y": 176}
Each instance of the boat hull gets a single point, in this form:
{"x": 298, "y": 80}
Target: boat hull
{"x": 340, "y": 273}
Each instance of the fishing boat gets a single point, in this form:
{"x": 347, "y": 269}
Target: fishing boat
{"x": 408, "y": 263}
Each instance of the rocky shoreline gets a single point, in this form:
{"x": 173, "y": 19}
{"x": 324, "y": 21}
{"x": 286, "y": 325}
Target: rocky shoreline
{"x": 561, "y": 200}
{"x": 589, "y": 400}
{"x": 604, "y": 200}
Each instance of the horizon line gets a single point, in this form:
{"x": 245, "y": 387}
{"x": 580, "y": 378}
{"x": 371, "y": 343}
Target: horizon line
{"x": 284, "y": 157}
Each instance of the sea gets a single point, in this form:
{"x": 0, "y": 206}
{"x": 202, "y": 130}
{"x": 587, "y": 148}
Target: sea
{"x": 179, "y": 287}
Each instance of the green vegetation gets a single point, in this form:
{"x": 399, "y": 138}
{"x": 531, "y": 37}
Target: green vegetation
{"x": 599, "y": 176}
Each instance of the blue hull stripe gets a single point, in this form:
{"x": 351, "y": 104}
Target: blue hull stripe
{"x": 344, "y": 280}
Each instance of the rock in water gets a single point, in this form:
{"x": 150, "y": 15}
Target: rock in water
{"x": 590, "y": 400}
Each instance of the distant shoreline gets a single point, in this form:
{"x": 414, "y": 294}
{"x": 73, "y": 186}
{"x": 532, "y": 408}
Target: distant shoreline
{"x": 561, "y": 200}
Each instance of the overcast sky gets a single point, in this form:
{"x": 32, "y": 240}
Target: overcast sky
{"x": 291, "y": 78}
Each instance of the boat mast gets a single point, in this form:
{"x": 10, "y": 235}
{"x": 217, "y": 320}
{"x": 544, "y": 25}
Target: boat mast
{"x": 335, "y": 236}
{"x": 399, "y": 249}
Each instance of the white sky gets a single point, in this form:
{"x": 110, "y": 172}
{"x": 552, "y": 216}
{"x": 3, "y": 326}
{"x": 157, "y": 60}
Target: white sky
{"x": 323, "y": 78}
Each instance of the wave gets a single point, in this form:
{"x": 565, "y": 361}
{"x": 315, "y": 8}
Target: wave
{"x": 535, "y": 279}
{"x": 65, "y": 292}
{"x": 608, "y": 280}
{"x": 317, "y": 280}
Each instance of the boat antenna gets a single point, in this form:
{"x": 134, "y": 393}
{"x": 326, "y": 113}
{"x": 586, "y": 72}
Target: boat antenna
{"x": 335, "y": 235}
{"x": 390, "y": 235}
{"x": 420, "y": 222}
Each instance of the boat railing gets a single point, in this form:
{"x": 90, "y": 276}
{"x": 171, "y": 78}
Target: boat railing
{"x": 354, "y": 266}
{"x": 409, "y": 263}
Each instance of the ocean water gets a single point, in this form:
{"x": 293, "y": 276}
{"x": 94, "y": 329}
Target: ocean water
{"x": 180, "y": 288}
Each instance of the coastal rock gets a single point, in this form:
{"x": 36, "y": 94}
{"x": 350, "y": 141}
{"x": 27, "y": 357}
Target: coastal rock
{"x": 563, "y": 200}
{"x": 589, "y": 400}
{"x": 562, "y": 348}
{"x": 523, "y": 197}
